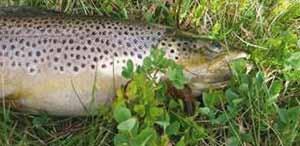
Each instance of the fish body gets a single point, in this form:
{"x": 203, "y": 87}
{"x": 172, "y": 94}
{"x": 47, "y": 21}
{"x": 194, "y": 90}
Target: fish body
{"x": 67, "y": 66}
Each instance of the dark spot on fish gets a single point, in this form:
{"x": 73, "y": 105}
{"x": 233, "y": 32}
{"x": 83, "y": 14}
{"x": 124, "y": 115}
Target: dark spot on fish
{"x": 75, "y": 68}
{"x": 61, "y": 68}
{"x": 92, "y": 49}
{"x": 78, "y": 56}
{"x": 95, "y": 59}
{"x": 17, "y": 53}
{"x": 119, "y": 42}
{"x": 89, "y": 42}
{"x": 105, "y": 52}
{"x": 30, "y": 54}
{"x": 55, "y": 59}
{"x": 21, "y": 41}
{"x": 31, "y": 70}
{"x": 65, "y": 56}
{"x": 115, "y": 54}
{"x": 139, "y": 56}
{"x": 3, "y": 47}
{"x": 93, "y": 66}
{"x": 107, "y": 42}
{"x": 98, "y": 49}
{"x": 27, "y": 43}
{"x": 71, "y": 41}
{"x": 131, "y": 53}
{"x": 37, "y": 53}
{"x": 58, "y": 50}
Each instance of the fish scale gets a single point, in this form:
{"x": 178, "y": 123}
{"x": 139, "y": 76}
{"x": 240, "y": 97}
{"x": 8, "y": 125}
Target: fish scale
{"x": 69, "y": 66}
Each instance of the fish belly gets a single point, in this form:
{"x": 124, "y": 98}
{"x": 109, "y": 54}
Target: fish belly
{"x": 58, "y": 94}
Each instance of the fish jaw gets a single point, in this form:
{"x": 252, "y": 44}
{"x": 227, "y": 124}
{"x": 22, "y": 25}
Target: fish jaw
{"x": 211, "y": 73}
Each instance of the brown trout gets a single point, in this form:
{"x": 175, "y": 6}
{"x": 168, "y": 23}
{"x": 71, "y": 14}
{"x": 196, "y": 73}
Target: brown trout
{"x": 67, "y": 65}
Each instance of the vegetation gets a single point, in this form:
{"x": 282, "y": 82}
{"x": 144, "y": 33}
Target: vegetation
{"x": 260, "y": 106}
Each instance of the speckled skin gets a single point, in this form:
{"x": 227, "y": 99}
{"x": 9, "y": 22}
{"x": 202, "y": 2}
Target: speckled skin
{"x": 69, "y": 66}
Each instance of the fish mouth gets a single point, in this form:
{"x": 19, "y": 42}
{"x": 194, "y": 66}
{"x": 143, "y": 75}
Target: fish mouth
{"x": 234, "y": 55}
{"x": 213, "y": 74}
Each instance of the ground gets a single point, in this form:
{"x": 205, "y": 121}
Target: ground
{"x": 261, "y": 104}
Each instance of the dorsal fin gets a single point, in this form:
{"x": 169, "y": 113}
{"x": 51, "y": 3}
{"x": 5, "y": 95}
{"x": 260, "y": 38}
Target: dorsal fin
{"x": 24, "y": 11}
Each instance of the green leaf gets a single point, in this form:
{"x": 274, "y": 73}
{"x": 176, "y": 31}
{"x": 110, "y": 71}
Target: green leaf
{"x": 173, "y": 129}
{"x": 121, "y": 140}
{"x": 212, "y": 99}
{"x": 231, "y": 94}
{"x": 173, "y": 104}
{"x": 121, "y": 114}
{"x": 204, "y": 110}
{"x": 128, "y": 125}
{"x": 238, "y": 67}
{"x": 144, "y": 137}
{"x": 163, "y": 124}
{"x": 181, "y": 142}
{"x": 128, "y": 70}
{"x": 233, "y": 141}
{"x": 40, "y": 120}
{"x": 176, "y": 76}
{"x": 274, "y": 91}
{"x": 293, "y": 62}
{"x": 260, "y": 79}
{"x": 283, "y": 115}
{"x": 147, "y": 63}
{"x": 155, "y": 112}
{"x": 198, "y": 132}
{"x": 216, "y": 29}
{"x": 140, "y": 110}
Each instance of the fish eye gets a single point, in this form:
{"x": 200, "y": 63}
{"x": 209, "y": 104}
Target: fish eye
{"x": 216, "y": 47}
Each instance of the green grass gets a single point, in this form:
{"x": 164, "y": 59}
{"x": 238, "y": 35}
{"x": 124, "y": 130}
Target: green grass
{"x": 260, "y": 106}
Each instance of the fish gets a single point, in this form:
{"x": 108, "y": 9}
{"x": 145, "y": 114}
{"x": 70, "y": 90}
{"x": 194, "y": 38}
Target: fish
{"x": 70, "y": 66}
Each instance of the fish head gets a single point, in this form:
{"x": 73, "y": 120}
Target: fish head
{"x": 205, "y": 62}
